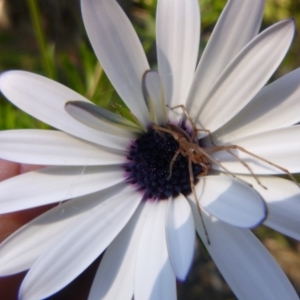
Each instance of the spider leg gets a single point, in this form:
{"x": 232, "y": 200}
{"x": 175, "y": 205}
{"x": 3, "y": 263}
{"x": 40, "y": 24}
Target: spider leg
{"x": 180, "y": 131}
{"x": 172, "y": 162}
{"x": 194, "y": 127}
{"x": 246, "y": 166}
{"x": 236, "y": 147}
{"x": 202, "y": 151}
{"x": 208, "y": 133}
{"x": 189, "y": 118}
{"x": 159, "y": 128}
{"x": 197, "y": 202}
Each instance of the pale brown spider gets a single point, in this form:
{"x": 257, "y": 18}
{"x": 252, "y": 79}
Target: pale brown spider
{"x": 189, "y": 147}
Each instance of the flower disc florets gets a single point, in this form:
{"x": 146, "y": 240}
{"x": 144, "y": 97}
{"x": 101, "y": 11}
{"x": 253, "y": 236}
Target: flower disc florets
{"x": 150, "y": 157}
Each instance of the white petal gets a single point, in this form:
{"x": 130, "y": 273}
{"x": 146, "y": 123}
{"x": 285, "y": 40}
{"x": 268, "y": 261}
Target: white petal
{"x": 54, "y": 184}
{"x": 180, "y": 236}
{"x": 281, "y": 147}
{"x": 22, "y": 249}
{"x": 231, "y": 201}
{"x": 119, "y": 51}
{"x": 79, "y": 246}
{"x": 230, "y": 35}
{"x": 155, "y": 98}
{"x": 51, "y": 147}
{"x": 115, "y": 276}
{"x": 283, "y": 199}
{"x": 275, "y": 106}
{"x": 45, "y": 100}
{"x": 246, "y": 265}
{"x": 92, "y": 116}
{"x": 178, "y": 33}
{"x": 246, "y": 75}
{"x": 154, "y": 277}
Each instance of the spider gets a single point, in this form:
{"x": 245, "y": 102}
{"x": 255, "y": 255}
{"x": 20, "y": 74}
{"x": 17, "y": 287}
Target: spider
{"x": 189, "y": 147}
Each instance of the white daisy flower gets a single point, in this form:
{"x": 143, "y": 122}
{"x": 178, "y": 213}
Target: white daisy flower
{"x": 125, "y": 192}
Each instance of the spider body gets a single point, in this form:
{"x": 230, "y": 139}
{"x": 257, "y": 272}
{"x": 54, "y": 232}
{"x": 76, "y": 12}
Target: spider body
{"x": 187, "y": 147}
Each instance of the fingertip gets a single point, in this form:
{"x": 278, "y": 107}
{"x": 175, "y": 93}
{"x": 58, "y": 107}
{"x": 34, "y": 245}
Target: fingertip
{"x": 8, "y": 169}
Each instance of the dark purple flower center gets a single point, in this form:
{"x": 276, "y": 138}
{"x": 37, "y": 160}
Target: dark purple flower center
{"x": 149, "y": 166}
